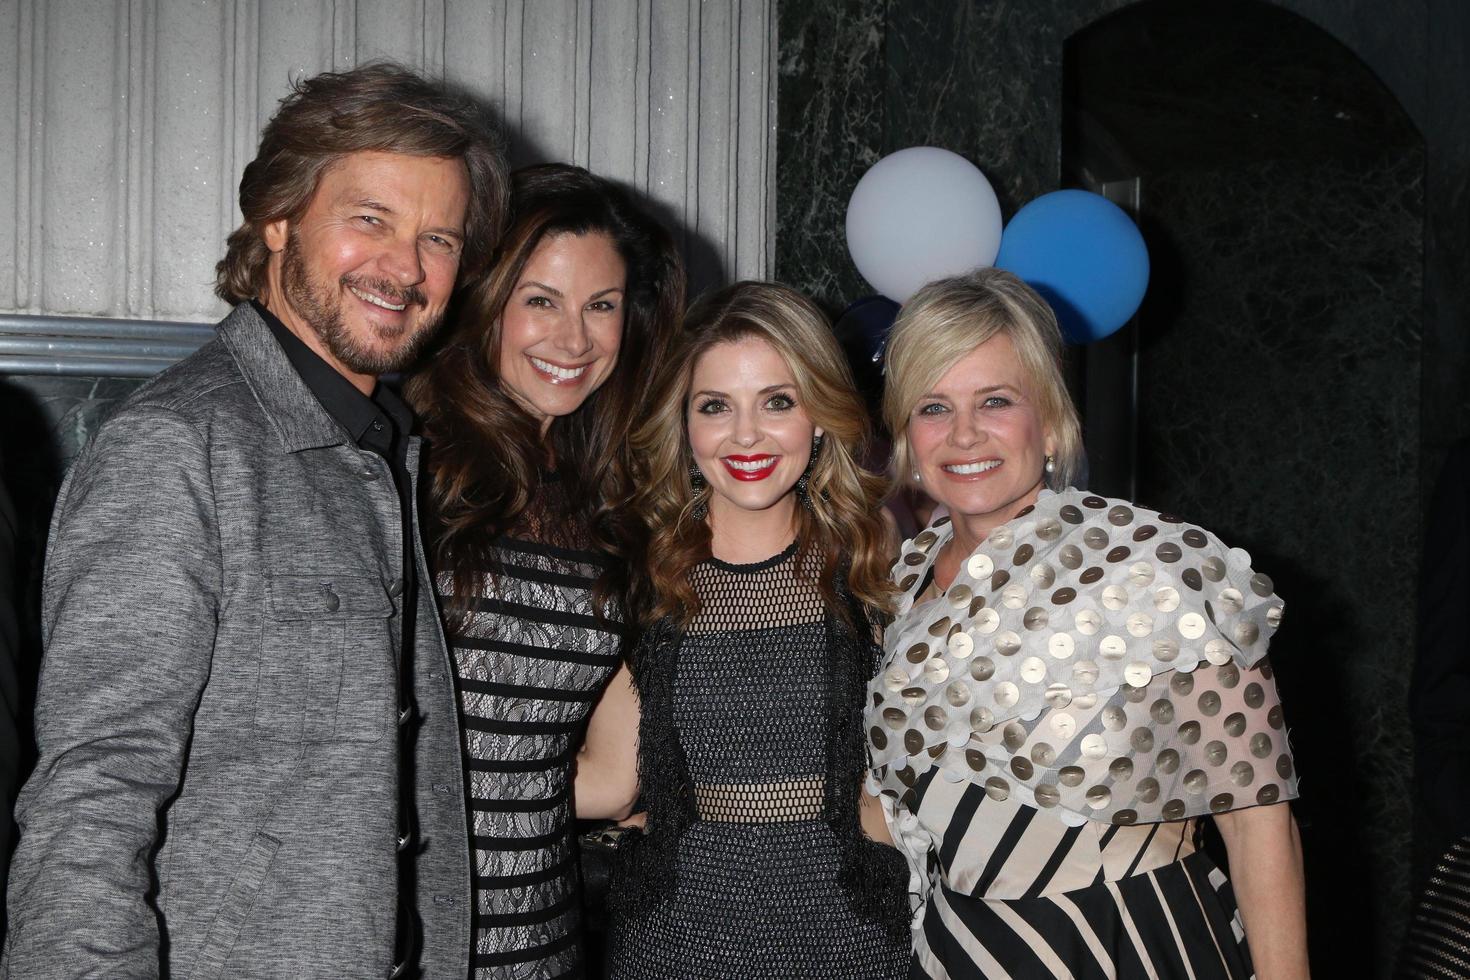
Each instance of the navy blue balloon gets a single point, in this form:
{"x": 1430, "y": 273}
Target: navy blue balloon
{"x": 862, "y": 332}
{"x": 863, "y": 327}
{"x": 1084, "y": 255}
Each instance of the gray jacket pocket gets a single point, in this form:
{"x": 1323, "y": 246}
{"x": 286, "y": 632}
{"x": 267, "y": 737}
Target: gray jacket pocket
{"x": 326, "y": 669}
{"x": 224, "y": 930}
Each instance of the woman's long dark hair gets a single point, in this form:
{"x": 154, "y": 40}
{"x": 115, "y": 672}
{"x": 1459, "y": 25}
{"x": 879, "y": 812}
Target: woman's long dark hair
{"x": 486, "y": 454}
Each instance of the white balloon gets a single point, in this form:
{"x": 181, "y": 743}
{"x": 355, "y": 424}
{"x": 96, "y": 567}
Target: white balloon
{"x": 918, "y": 215}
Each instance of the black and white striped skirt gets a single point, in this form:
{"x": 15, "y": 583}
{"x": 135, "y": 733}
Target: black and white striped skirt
{"x": 1175, "y": 921}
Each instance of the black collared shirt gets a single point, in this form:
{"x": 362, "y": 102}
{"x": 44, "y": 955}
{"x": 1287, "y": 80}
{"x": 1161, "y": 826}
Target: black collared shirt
{"x": 373, "y": 422}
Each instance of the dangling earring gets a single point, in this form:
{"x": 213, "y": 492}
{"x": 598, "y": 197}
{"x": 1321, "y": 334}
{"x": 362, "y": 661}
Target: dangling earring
{"x": 804, "y": 479}
{"x": 917, "y": 477}
{"x": 1051, "y": 465}
{"x": 696, "y": 488}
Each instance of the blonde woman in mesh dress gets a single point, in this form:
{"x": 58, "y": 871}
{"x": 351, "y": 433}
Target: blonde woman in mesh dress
{"x": 1071, "y": 683}
{"x": 742, "y": 720}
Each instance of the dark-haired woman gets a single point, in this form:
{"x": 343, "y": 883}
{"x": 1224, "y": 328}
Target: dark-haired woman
{"x": 526, "y": 409}
{"x": 765, "y": 565}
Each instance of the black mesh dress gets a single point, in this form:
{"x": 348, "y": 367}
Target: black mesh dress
{"x": 750, "y": 759}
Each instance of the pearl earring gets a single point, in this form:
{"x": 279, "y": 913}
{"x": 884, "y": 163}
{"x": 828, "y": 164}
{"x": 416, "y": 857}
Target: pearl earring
{"x": 1051, "y": 465}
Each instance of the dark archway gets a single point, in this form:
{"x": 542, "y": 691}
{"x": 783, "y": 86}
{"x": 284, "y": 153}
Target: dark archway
{"x": 1270, "y": 388}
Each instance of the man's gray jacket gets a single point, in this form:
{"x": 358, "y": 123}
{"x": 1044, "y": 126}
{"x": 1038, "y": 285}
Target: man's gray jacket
{"x": 217, "y": 790}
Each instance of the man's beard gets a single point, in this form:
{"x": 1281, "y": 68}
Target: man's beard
{"x": 321, "y": 307}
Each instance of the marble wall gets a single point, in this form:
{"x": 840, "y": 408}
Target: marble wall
{"x": 830, "y": 109}
{"x": 858, "y": 79}
{"x": 1339, "y": 296}
{"x": 1279, "y": 403}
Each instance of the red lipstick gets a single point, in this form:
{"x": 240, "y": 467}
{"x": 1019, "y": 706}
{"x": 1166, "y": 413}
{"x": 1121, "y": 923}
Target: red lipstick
{"x": 750, "y": 468}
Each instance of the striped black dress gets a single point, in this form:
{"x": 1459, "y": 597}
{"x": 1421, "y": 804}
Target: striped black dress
{"x": 530, "y": 663}
{"x": 1024, "y": 895}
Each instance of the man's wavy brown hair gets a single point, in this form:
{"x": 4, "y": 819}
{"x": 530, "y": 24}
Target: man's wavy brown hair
{"x": 841, "y": 526}
{"x": 486, "y": 455}
{"x": 376, "y": 107}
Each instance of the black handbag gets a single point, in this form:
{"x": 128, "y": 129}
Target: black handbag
{"x": 598, "y": 854}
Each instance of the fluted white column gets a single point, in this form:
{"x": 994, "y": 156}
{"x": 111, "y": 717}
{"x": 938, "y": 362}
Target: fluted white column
{"x": 125, "y": 124}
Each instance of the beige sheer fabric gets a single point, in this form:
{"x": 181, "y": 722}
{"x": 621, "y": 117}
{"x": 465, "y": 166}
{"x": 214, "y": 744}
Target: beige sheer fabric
{"x": 1091, "y": 658}
{"x": 785, "y": 801}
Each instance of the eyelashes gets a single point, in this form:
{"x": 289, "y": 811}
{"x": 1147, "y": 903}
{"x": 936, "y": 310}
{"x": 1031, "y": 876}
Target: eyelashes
{"x": 934, "y": 409}
{"x": 780, "y": 402}
{"x": 542, "y": 302}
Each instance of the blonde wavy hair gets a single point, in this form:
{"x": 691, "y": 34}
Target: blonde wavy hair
{"x": 841, "y": 527}
{"x": 948, "y": 319}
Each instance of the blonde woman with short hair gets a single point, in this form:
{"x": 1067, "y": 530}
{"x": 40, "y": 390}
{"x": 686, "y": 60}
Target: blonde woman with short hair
{"x": 1071, "y": 683}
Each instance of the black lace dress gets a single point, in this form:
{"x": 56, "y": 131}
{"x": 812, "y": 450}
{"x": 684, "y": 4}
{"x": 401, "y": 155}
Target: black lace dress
{"x": 530, "y": 663}
{"x": 751, "y": 758}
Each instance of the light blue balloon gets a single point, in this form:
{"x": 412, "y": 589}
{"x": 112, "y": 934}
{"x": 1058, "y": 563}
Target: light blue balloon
{"x": 1084, "y": 255}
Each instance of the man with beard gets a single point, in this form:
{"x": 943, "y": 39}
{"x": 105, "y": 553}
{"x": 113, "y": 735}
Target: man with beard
{"x": 249, "y": 764}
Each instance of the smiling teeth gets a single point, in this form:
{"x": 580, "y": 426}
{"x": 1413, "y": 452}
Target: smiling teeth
{"x": 752, "y": 466}
{"x": 377, "y": 300}
{"x": 970, "y": 469}
{"x": 559, "y": 373}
